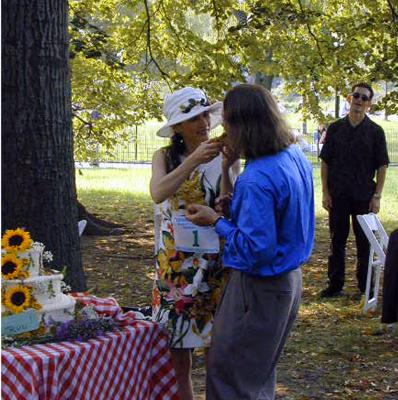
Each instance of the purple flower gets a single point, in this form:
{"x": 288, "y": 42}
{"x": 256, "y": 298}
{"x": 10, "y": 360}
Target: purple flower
{"x": 83, "y": 328}
{"x": 95, "y": 114}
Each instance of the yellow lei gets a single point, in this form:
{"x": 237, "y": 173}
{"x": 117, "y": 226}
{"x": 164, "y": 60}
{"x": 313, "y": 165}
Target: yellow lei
{"x": 190, "y": 192}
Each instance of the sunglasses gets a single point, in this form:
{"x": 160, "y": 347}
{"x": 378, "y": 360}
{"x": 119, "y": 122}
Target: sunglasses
{"x": 360, "y": 96}
{"x": 192, "y": 103}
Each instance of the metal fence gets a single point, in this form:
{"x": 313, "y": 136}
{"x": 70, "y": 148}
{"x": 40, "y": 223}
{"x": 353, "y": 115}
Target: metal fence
{"x": 144, "y": 143}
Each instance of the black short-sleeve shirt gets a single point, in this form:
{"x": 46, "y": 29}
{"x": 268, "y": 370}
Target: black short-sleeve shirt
{"x": 353, "y": 154}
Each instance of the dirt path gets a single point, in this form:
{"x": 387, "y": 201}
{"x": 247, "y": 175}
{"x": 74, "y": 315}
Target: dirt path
{"x": 334, "y": 353}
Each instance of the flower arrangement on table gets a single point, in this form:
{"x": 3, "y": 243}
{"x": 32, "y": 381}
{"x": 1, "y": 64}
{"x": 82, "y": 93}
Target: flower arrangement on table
{"x": 19, "y": 298}
{"x": 23, "y": 279}
{"x": 87, "y": 324}
{"x": 15, "y": 265}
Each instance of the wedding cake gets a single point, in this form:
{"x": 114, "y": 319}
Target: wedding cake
{"x": 26, "y": 285}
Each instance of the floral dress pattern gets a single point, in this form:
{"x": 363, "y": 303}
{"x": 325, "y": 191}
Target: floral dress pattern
{"x": 188, "y": 286}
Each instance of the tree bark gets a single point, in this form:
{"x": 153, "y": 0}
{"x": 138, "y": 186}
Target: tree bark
{"x": 262, "y": 79}
{"x": 38, "y": 177}
{"x": 385, "y": 94}
{"x": 337, "y": 104}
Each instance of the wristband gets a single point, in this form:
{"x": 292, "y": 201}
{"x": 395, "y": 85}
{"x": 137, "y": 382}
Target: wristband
{"x": 220, "y": 217}
{"x": 377, "y": 196}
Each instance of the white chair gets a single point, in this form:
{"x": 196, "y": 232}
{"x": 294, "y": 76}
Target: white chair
{"x": 378, "y": 240}
{"x": 82, "y": 226}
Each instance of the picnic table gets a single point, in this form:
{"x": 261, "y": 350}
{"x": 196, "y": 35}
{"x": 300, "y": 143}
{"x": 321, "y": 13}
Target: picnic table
{"x": 131, "y": 363}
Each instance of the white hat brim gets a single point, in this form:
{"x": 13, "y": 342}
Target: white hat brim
{"x": 215, "y": 114}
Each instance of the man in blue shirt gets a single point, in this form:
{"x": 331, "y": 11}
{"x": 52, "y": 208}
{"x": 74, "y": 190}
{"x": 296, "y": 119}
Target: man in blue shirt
{"x": 268, "y": 236}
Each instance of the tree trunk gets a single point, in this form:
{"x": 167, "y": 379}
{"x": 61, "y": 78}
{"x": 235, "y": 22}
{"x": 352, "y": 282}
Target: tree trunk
{"x": 337, "y": 104}
{"x": 304, "y": 127}
{"x": 38, "y": 176}
{"x": 385, "y": 94}
{"x": 262, "y": 79}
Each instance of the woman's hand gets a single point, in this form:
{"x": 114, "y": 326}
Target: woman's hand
{"x": 205, "y": 152}
{"x": 201, "y": 215}
{"x": 164, "y": 184}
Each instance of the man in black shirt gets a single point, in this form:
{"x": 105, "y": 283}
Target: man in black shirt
{"x": 354, "y": 152}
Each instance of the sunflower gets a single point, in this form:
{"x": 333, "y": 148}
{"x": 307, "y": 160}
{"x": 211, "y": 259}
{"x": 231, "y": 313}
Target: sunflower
{"x": 34, "y": 304}
{"x": 11, "y": 266}
{"x": 17, "y": 299}
{"x": 16, "y": 240}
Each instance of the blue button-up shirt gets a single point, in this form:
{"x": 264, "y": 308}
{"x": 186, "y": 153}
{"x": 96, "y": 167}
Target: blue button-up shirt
{"x": 271, "y": 230}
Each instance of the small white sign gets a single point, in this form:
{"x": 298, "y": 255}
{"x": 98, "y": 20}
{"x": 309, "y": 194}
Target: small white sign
{"x": 18, "y": 323}
{"x": 193, "y": 238}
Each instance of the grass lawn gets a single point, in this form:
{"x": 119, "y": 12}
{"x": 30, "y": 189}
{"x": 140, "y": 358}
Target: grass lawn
{"x": 335, "y": 351}
{"x": 134, "y": 183}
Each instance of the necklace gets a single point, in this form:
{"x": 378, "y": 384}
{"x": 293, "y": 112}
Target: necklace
{"x": 190, "y": 192}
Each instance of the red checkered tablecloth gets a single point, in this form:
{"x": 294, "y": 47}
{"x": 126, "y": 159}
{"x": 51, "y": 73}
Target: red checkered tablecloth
{"x": 132, "y": 364}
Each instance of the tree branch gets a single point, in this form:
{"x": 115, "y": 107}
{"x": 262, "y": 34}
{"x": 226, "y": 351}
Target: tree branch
{"x": 89, "y": 124}
{"x": 393, "y": 12}
{"x": 312, "y": 33}
{"x": 164, "y": 74}
{"x": 174, "y": 32}
{"x": 217, "y": 18}
{"x": 217, "y": 27}
{"x": 139, "y": 35}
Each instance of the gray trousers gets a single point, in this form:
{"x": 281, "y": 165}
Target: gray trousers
{"x": 252, "y": 323}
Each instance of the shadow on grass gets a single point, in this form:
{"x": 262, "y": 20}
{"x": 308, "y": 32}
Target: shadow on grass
{"x": 334, "y": 352}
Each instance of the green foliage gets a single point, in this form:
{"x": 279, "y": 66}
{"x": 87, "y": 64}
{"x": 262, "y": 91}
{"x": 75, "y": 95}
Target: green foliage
{"x": 127, "y": 54}
{"x": 323, "y": 47}
{"x": 109, "y": 93}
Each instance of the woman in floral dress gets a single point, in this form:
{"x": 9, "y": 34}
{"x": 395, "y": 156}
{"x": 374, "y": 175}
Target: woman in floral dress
{"x": 189, "y": 275}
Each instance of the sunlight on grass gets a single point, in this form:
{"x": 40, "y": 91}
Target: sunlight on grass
{"x": 332, "y": 337}
{"x": 389, "y": 203}
{"x": 136, "y": 181}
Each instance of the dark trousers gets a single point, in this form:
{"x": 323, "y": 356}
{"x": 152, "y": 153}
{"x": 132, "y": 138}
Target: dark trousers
{"x": 339, "y": 224}
{"x": 390, "y": 287}
{"x": 252, "y": 323}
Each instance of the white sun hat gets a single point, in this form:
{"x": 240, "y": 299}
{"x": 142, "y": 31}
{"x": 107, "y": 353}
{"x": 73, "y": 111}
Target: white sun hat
{"x": 185, "y": 104}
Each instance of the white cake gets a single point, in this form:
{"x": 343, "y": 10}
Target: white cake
{"x": 30, "y": 287}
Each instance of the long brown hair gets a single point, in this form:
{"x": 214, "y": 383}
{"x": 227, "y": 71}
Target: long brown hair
{"x": 255, "y": 125}
{"x": 174, "y": 152}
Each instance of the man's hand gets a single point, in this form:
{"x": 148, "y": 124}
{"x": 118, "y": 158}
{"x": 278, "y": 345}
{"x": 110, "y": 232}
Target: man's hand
{"x": 201, "y": 215}
{"x": 222, "y": 203}
{"x": 228, "y": 157}
{"x": 326, "y": 201}
{"x": 374, "y": 205}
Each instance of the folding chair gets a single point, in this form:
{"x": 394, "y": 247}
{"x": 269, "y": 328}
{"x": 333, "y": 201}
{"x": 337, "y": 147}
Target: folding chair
{"x": 82, "y": 226}
{"x": 378, "y": 240}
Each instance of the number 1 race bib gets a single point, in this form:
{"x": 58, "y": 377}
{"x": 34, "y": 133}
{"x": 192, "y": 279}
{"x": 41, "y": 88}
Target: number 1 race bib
{"x": 193, "y": 238}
